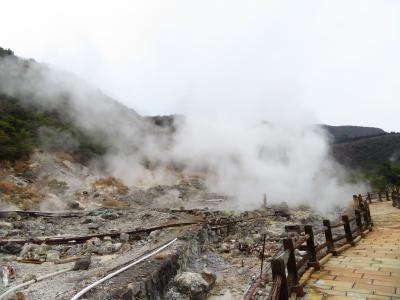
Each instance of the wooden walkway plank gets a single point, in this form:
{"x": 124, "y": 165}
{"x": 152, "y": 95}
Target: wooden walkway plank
{"x": 370, "y": 269}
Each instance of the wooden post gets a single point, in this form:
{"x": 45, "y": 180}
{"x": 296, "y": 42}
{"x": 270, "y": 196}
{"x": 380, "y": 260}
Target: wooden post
{"x": 369, "y": 197}
{"x": 262, "y": 255}
{"x": 328, "y": 237}
{"x": 359, "y": 221}
{"x": 395, "y": 200}
{"x": 312, "y": 259}
{"x": 291, "y": 266}
{"x": 380, "y": 196}
{"x": 365, "y": 216}
{"x": 360, "y": 200}
{"x": 387, "y": 196}
{"x": 347, "y": 229}
{"x": 278, "y": 269}
{"x": 370, "y": 223}
{"x": 355, "y": 200}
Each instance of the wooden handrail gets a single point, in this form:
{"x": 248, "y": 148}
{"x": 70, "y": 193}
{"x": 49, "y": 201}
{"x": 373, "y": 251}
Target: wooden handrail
{"x": 284, "y": 285}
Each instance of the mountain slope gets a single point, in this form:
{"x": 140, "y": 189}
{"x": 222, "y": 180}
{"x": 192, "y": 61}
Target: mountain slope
{"x": 347, "y": 133}
{"x": 56, "y": 110}
{"x": 368, "y": 152}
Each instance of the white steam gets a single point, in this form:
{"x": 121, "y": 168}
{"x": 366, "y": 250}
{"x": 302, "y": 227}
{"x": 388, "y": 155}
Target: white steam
{"x": 286, "y": 157}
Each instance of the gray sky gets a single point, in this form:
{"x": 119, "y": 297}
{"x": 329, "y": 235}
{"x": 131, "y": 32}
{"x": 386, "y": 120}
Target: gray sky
{"x": 335, "y": 61}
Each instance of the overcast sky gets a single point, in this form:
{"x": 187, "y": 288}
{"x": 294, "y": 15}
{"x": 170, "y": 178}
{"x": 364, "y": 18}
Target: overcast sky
{"x": 338, "y": 61}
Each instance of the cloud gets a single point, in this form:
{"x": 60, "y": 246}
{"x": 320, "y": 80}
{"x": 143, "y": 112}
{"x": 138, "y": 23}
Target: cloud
{"x": 208, "y": 58}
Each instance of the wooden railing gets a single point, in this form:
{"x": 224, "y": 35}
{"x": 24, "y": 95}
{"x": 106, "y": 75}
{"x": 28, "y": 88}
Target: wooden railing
{"x": 380, "y": 196}
{"x": 301, "y": 255}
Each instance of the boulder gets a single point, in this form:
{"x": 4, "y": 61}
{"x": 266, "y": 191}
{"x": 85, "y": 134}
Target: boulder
{"x": 106, "y": 248}
{"x": 82, "y": 264}
{"x": 193, "y": 285}
{"x": 124, "y": 237}
{"x": 11, "y": 248}
{"x": 27, "y": 250}
{"x": 52, "y": 255}
{"x": 117, "y": 247}
{"x": 210, "y": 277}
{"x": 93, "y": 226}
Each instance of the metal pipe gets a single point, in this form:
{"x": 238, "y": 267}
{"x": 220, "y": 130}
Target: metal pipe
{"x": 94, "y": 284}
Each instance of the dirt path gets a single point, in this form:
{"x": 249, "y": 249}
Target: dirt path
{"x": 370, "y": 269}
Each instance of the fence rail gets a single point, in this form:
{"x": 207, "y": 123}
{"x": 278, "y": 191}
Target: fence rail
{"x": 302, "y": 256}
{"x": 290, "y": 272}
{"x": 381, "y": 196}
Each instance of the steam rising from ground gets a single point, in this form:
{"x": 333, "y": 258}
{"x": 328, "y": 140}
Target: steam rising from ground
{"x": 286, "y": 157}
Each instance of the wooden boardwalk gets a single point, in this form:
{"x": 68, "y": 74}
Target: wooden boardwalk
{"x": 368, "y": 270}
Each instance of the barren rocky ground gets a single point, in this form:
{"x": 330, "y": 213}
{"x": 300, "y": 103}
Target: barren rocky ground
{"x": 217, "y": 253}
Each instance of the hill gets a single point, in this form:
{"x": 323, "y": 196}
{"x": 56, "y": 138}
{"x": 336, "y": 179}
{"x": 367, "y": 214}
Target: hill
{"x": 368, "y": 152}
{"x": 56, "y": 111}
{"x": 341, "y": 134}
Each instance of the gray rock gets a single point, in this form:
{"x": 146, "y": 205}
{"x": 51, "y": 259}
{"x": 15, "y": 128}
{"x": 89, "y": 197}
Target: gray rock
{"x": 117, "y": 247}
{"x": 73, "y": 205}
{"x": 193, "y": 285}
{"x": 106, "y": 248}
{"x": 11, "y": 248}
{"x": 6, "y": 225}
{"x": 124, "y": 237}
{"x": 28, "y": 277}
{"x": 225, "y": 247}
{"x": 52, "y": 255}
{"x": 82, "y": 264}
{"x": 93, "y": 226}
{"x": 27, "y": 250}
{"x": 95, "y": 241}
{"x": 110, "y": 216}
{"x": 92, "y": 245}
{"x": 137, "y": 289}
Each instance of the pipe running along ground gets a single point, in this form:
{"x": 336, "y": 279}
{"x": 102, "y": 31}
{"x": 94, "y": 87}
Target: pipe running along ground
{"x": 94, "y": 284}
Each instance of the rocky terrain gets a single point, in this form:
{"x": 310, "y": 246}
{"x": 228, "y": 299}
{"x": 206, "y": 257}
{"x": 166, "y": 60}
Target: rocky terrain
{"x": 50, "y": 221}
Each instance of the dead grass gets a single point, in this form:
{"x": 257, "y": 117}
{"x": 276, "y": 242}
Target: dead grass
{"x": 25, "y": 198}
{"x": 113, "y": 203}
{"x": 110, "y": 181}
{"x": 7, "y": 187}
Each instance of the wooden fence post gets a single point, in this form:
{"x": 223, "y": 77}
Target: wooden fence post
{"x": 313, "y": 261}
{"x": 347, "y": 229}
{"x": 288, "y": 244}
{"x": 369, "y": 197}
{"x": 262, "y": 255}
{"x": 355, "y": 200}
{"x": 359, "y": 221}
{"x": 360, "y": 200}
{"x": 370, "y": 223}
{"x": 328, "y": 237}
{"x": 278, "y": 270}
{"x": 395, "y": 200}
{"x": 387, "y": 196}
{"x": 365, "y": 216}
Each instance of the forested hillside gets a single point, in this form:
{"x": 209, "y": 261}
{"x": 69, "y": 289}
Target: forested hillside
{"x": 24, "y": 127}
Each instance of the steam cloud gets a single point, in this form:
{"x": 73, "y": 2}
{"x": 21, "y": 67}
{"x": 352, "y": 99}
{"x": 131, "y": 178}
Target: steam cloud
{"x": 287, "y": 157}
